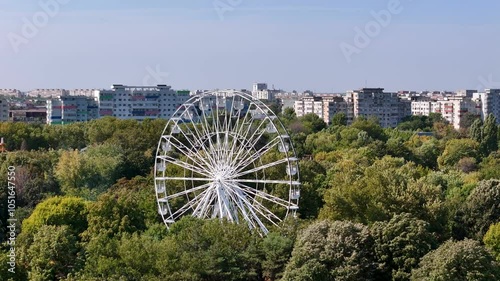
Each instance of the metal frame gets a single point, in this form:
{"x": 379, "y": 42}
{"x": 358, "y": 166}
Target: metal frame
{"x": 225, "y": 142}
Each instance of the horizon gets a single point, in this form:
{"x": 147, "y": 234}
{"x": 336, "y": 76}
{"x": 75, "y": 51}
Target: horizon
{"x": 322, "y": 46}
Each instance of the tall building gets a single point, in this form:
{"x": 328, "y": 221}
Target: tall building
{"x": 388, "y": 108}
{"x": 69, "y": 109}
{"x": 333, "y": 105}
{"x": 261, "y": 92}
{"x": 308, "y": 105}
{"x": 451, "y": 107}
{"x": 4, "y": 109}
{"x": 490, "y": 100}
{"x": 139, "y": 102}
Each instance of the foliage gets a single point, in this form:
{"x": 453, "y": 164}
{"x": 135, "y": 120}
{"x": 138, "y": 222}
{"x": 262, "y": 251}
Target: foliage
{"x": 456, "y": 261}
{"x": 457, "y": 149}
{"x": 129, "y": 206}
{"x": 339, "y": 119}
{"x": 492, "y": 240}
{"x": 376, "y": 193}
{"x": 98, "y": 167}
{"x": 480, "y": 210}
{"x": 58, "y": 211}
{"x": 400, "y": 244}
{"x": 53, "y": 254}
{"x": 332, "y": 251}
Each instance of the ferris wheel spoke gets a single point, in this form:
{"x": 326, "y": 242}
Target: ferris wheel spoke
{"x": 177, "y": 214}
{"x": 269, "y": 215}
{"x": 191, "y": 190}
{"x": 202, "y": 208}
{"x": 263, "y": 167}
{"x": 195, "y": 165}
{"x": 287, "y": 182}
{"x": 183, "y": 179}
{"x": 249, "y": 159}
{"x": 193, "y": 145}
{"x": 263, "y": 195}
{"x": 252, "y": 207}
{"x": 183, "y": 164}
{"x": 253, "y": 211}
{"x": 243, "y": 150}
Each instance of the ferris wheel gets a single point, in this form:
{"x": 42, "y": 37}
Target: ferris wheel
{"x": 226, "y": 155}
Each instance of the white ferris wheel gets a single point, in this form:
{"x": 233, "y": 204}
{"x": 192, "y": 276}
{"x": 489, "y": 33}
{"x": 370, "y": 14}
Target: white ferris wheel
{"x": 226, "y": 155}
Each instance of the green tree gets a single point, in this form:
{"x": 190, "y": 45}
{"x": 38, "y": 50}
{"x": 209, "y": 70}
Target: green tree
{"x": 53, "y": 254}
{"x": 127, "y": 207}
{"x": 371, "y": 126}
{"x": 480, "y": 209}
{"x": 339, "y": 119}
{"x": 58, "y": 211}
{"x": 312, "y": 123}
{"x": 464, "y": 260}
{"x": 400, "y": 244}
{"x": 489, "y": 142}
{"x": 476, "y": 131}
{"x": 457, "y": 149}
{"x": 492, "y": 240}
{"x": 332, "y": 251}
{"x": 276, "y": 250}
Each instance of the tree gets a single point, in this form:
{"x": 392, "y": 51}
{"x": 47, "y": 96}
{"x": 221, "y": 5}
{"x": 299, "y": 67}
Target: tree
{"x": 276, "y": 250}
{"x": 457, "y": 149}
{"x": 489, "y": 142}
{"x": 96, "y": 168}
{"x": 463, "y": 260}
{"x": 339, "y": 119}
{"x": 53, "y": 253}
{"x": 480, "y": 209}
{"x": 371, "y": 126}
{"x": 210, "y": 250}
{"x": 376, "y": 193}
{"x": 492, "y": 240}
{"x": 312, "y": 123}
{"x": 58, "y": 211}
{"x": 476, "y": 130}
{"x": 332, "y": 251}
{"x": 127, "y": 207}
{"x": 400, "y": 244}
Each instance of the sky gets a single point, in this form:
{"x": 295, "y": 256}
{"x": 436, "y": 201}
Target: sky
{"x": 318, "y": 45}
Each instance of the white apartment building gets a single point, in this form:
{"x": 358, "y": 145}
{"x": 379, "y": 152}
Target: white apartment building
{"x": 308, "y": 105}
{"x": 261, "y": 92}
{"x": 335, "y": 104}
{"x": 424, "y": 107}
{"x": 388, "y": 108}
{"x": 4, "y": 109}
{"x": 490, "y": 100}
{"x": 69, "y": 109}
{"x": 47, "y": 93}
{"x": 139, "y": 102}
{"x": 452, "y": 107}
{"x": 11, "y": 92}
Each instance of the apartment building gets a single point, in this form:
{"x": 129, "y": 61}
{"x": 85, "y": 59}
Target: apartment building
{"x": 261, "y": 92}
{"x": 308, "y": 105}
{"x": 388, "y": 108}
{"x": 490, "y": 100}
{"x": 4, "y": 109}
{"x": 452, "y": 107}
{"x": 336, "y": 104}
{"x": 139, "y": 102}
{"x": 69, "y": 109}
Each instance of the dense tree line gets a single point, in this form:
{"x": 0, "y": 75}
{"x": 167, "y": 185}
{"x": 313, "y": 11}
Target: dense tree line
{"x": 376, "y": 204}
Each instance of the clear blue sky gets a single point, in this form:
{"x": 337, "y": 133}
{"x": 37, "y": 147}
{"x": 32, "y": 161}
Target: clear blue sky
{"x": 439, "y": 45}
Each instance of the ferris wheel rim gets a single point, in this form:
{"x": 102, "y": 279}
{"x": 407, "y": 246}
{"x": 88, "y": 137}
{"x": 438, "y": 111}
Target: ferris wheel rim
{"x": 254, "y": 210}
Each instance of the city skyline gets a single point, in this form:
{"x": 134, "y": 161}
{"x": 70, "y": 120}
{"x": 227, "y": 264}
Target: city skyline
{"x": 409, "y": 45}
